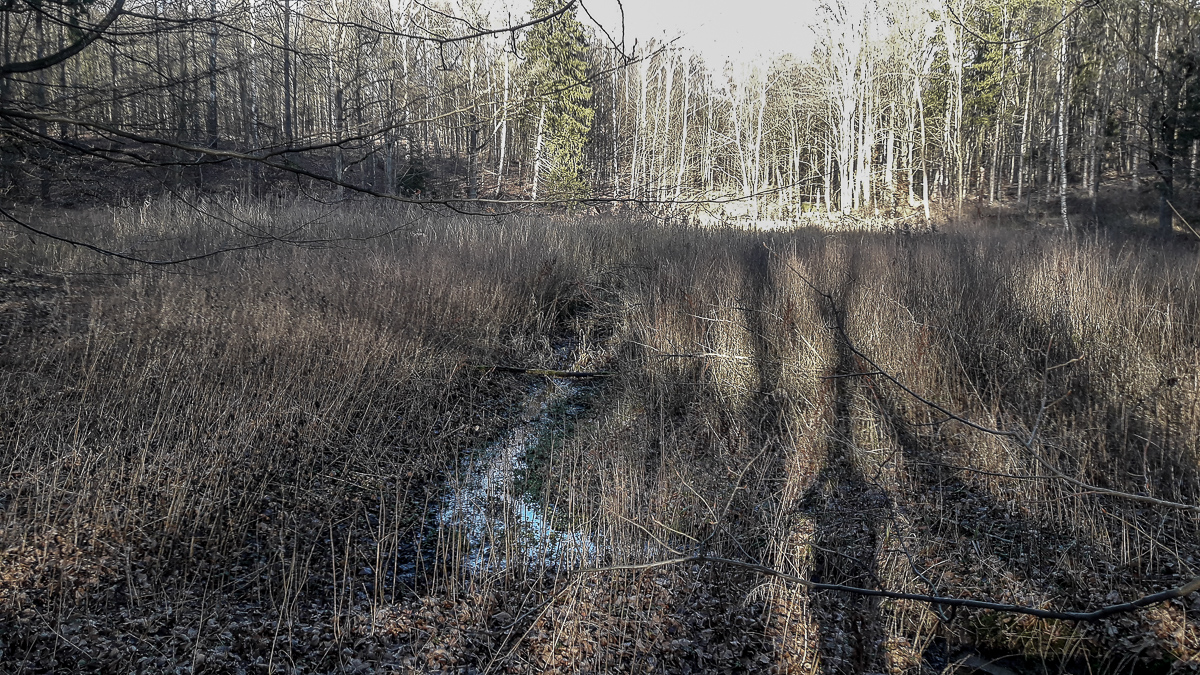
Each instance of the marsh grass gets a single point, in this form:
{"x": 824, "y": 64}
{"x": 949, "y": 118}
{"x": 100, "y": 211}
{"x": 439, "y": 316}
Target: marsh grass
{"x": 234, "y": 464}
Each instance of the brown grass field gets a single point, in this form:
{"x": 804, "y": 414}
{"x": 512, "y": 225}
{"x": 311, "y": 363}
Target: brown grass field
{"x": 239, "y": 465}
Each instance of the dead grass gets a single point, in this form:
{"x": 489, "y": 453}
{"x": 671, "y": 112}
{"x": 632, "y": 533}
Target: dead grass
{"x": 232, "y": 466}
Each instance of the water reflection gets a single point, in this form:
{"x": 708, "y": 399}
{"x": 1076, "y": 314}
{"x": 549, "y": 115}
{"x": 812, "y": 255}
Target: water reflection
{"x": 496, "y": 513}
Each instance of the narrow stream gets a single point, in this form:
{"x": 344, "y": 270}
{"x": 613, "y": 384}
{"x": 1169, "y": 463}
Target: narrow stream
{"x": 495, "y": 514}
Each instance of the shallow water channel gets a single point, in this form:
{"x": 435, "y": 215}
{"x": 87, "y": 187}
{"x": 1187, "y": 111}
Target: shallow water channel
{"x": 495, "y": 513}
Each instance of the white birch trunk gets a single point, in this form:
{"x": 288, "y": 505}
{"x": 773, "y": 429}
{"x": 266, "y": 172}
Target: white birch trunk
{"x": 503, "y": 133}
{"x": 1062, "y": 122}
{"x": 1024, "y": 135}
{"x": 683, "y": 136}
{"x": 537, "y": 151}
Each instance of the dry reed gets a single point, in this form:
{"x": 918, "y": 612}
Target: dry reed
{"x": 238, "y": 463}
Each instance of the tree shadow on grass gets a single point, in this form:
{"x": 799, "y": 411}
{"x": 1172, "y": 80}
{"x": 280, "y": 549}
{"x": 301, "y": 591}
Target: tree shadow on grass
{"x": 1003, "y": 551}
{"x": 1005, "y": 348}
{"x": 849, "y": 513}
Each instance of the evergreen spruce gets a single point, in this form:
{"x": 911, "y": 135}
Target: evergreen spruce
{"x": 560, "y": 98}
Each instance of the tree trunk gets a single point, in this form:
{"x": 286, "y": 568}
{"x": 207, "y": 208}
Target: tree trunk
{"x": 758, "y": 174}
{"x": 659, "y": 172}
{"x": 616, "y": 165}
{"x": 1024, "y": 134}
{"x": 709, "y": 134}
{"x": 288, "y": 130}
{"x": 683, "y": 136}
{"x": 866, "y": 144}
{"x": 828, "y": 176}
{"x": 910, "y": 139}
{"x": 1062, "y": 121}
{"x": 924, "y": 150}
{"x": 210, "y": 122}
{"x": 639, "y": 129}
{"x": 39, "y": 96}
{"x": 503, "y": 132}
{"x": 537, "y": 151}
{"x": 1166, "y": 217}
{"x": 473, "y": 159}
{"x": 889, "y": 177}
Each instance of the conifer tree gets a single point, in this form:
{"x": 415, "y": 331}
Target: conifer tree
{"x": 557, "y": 79}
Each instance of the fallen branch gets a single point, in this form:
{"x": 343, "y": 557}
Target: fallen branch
{"x": 1111, "y": 493}
{"x": 1095, "y": 615}
{"x": 547, "y": 372}
{"x": 841, "y": 375}
{"x": 1185, "y": 222}
{"x": 712, "y": 355}
{"x": 700, "y": 355}
{"x": 955, "y": 467}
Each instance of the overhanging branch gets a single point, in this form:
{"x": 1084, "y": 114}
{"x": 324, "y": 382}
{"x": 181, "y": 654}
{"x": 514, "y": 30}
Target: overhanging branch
{"x": 1026, "y": 440}
{"x": 1095, "y": 615}
{"x": 60, "y": 56}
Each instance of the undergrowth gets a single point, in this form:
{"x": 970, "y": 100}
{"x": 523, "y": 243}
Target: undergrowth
{"x": 231, "y": 465}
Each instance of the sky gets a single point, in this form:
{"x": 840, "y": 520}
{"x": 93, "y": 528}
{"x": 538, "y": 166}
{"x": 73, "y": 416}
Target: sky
{"x": 740, "y": 30}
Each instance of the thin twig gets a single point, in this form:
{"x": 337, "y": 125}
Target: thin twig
{"x": 122, "y": 256}
{"x": 840, "y": 375}
{"x": 841, "y": 331}
{"x": 978, "y": 471}
{"x": 1106, "y": 491}
{"x": 1026, "y": 441}
{"x": 1185, "y": 222}
{"x": 547, "y": 372}
{"x": 650, "y": 534}
{"x": 1095, "y": 615}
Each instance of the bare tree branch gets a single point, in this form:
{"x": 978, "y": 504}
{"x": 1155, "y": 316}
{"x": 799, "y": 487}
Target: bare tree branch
{"x": 60, "y": 56}
{"x": 125, "y": 256}
{"x": 1092, "y": 616}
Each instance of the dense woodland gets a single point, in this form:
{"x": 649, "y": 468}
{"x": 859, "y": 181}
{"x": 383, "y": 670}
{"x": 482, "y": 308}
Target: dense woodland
{"x": 901, "y": 104}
